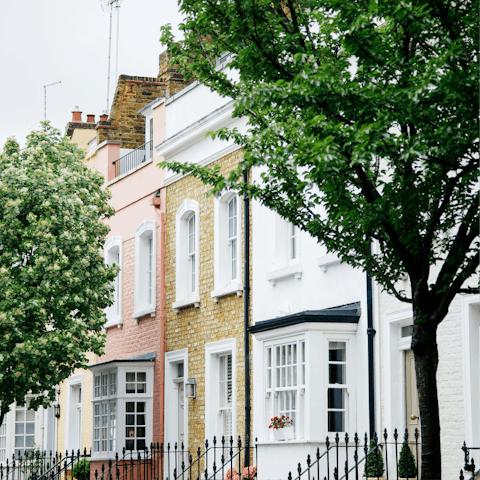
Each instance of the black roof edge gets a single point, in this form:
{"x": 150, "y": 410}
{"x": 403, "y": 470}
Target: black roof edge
{"x": 343, "y": 314}
{"x": 144, "y": 357}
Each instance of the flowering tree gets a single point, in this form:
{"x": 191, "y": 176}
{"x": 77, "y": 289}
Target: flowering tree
{"x": 362, "y": 116}
{"x": 54, "y": 284}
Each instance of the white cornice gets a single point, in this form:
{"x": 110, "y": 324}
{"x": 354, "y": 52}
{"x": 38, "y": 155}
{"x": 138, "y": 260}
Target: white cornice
{"x": 196, "y": 131}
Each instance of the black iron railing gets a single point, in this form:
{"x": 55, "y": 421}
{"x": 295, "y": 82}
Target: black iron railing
{"x": 38, "y": 465}
{"x": 347, "y": 458}
{"x": 211, "y": 462}
{"x": 469, "y": 471}
{"x": 134, "y": 159}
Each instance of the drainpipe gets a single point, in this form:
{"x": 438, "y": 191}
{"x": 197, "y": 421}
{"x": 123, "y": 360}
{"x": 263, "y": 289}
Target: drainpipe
{"x": 371, "y": 372}
{"x": 246, "y": 302}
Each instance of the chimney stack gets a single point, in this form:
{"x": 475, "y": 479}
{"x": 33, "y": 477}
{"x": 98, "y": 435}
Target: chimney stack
{"x": 90, "y": 118}
{"x": 104, "y": 116}
{"x": 77, "y": 115}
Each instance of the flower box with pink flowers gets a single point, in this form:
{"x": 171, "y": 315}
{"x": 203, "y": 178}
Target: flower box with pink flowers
{"x": 282, "y": 427}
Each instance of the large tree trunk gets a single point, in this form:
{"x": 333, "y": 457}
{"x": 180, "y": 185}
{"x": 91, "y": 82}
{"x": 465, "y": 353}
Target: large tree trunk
{"x": 424, "y": 346}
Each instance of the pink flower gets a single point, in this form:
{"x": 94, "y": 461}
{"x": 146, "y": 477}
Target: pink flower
{"x": 249, "y": 472}
{"x": 230, "y": 473}
{"x": 237, "y": 477}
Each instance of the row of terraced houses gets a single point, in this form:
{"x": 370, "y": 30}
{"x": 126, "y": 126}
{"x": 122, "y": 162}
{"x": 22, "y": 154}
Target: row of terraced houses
{"x": 201, "y": 276}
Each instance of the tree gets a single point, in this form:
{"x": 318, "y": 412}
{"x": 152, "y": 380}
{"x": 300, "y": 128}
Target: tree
{"x": 363, "y": 118}
{"x": 54, "y": 284}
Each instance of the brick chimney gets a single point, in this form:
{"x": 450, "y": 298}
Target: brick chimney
{"x": 90, "y": 118}
{"x": 77, "y": 115}
{"x": 104, "y": 116}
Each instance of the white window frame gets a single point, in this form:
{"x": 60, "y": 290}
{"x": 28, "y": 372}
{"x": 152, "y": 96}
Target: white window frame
{"x": 120, "y": 398}
{"x": 213, "y": 352}
{"x": 313, "y": 400}
{"x": 284, "y": 264}
{"x": 223, "y": 282}
{"x": 24, "y": 408}
{"x": 186, "y": 294}
{"x": 113, "y": 253}
{"x": 74, "y": 382}
{"x": 145, "y": 278}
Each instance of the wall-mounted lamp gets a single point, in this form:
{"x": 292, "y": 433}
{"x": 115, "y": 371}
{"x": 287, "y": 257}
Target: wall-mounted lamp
{"x": 56, "y": 410}
{"x": 190, "y": 388}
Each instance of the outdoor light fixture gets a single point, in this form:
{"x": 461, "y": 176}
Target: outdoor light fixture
{"x": 190, "y": 388}
{"x": 56, "y": 409}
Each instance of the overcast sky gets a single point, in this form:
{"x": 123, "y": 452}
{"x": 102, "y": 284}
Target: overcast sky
{"x": 47, "y": 41}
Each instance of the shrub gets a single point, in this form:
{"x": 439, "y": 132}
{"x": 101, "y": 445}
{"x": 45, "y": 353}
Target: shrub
{"x": 406, "y": 465}
{"x": 81, "y": 470}
{"x": 374, "y": 462}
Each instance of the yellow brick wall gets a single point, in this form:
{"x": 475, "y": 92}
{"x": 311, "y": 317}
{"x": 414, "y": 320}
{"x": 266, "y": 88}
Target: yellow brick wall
{"x": 193, "y": 327}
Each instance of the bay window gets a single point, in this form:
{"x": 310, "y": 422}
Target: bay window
{"x": 122, "y": 407}
{"x": 337, "y": 386}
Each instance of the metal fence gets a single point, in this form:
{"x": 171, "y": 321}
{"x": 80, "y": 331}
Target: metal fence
{"x": 134, "y": 159}
{"x": 354, "y": 457}
{"x": 211, "y": 462}
{"x": 38, "y": 465}
{"x": 469, "y": 471}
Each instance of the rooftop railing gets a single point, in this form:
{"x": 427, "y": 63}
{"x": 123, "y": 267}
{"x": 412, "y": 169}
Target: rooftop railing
{"x": 134, "y": 159}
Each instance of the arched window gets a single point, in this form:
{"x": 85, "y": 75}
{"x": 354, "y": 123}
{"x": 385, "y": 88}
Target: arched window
{"x": 113, "y": 255}
{"x": 145, "y": 269}
{"x": 228, "y": 241}
{"x": 187, "y": 255}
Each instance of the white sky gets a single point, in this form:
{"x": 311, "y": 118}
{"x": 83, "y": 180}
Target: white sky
{"x": 47, "y": 41}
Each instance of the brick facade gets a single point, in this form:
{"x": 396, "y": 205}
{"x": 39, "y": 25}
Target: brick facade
{"x": 192, "y": 327}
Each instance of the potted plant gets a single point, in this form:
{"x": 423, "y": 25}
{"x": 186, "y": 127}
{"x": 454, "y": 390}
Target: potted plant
{"x": 374, "y": 467}
{"x": 81, "y": 470}
{"x": 406, "y": 464}
{"x": 282, "y": 427}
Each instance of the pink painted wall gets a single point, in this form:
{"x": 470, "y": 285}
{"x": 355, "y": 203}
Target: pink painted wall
{"x": 131, "y": 197}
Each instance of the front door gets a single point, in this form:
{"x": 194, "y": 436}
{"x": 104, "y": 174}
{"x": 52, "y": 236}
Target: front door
{"x": 411, "y": 397}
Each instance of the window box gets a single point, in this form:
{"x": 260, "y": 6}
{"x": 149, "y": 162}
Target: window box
{"x": 287, "y": 433}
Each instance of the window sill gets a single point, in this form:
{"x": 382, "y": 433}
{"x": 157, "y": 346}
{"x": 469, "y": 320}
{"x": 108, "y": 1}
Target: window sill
{"x": 295, "y": 271}
{"x": 118, "y": 322}
{"x": 327, "y": 260}
{"x": 229, "y": 289}
{"x": 141, "y": 313}
{"x": 186, "y": 302}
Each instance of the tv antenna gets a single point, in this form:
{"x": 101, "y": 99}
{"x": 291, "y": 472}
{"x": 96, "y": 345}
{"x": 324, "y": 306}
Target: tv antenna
{"x": 108, "y": 6}
{"x": 45, "y": 98}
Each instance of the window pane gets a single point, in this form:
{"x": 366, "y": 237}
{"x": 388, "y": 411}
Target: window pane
{"x": 141, "y": 388}
{"x": 30, "y": 428}
{"x": 140, "y": 431}
{"x": 30, "y": 415}
{"x": 130, "y": 377}
{"x": 130, "y": 388}
{"x": 336, "y": 421}
{"x": 337, "y": 352}
{"x": 19, "y": 428}
{"x": 29, "y": 441}
{"x": 130, "y": 407}
{"x": 337, "y": 374}
{"x": 141, "y": 377}
{"x": 130, "y": 444}
{"x": 129, "y": 419}
{"x": 336, "y": 398}
{"x": 20, "y": 415}
{"x": 140, "y": 407}
{"x": 140, "y": 419}
{"x": 140, "y": 444}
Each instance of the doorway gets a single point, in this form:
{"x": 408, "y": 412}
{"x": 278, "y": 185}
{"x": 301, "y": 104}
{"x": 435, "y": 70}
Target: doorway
{"x": 411, "y": 401}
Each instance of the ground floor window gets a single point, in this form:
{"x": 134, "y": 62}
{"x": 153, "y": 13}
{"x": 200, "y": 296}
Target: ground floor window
{"x": 122, "y": 407}
{"x": 24, "y": 429}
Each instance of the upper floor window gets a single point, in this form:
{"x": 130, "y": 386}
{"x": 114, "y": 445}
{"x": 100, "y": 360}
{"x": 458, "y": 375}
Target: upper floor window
{"x": 227, "y": 254}
{"x": 292, "y": 241}
{"x": 113, "y": 255}
{"x": 191, "y": 253}
{"x": 145, "y": 269}
{"x": 187, "y": 254}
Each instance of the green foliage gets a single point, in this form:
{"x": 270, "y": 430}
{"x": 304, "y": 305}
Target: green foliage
{"x": 406, "y": 464}
{"x": 81, "y": 470}
{"x": 374, "y": 106}
{"x": 54, "y": 284}
{"x": 374, "y": 462}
